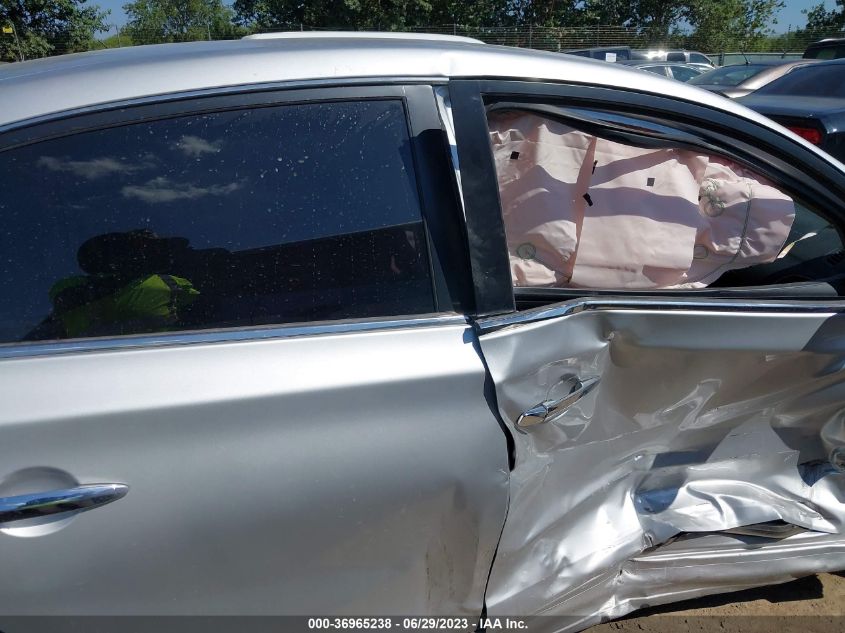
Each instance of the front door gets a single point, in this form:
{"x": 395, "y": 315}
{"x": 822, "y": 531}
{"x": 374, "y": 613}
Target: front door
{"x": 672, "y": 373}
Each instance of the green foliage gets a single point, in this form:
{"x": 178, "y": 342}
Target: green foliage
{"x": 385, "y": 15}
{"x": 398, "y": 14}
{"x": 820, "y": 19}
{"x": 48, "y": 27}
{"x": 729, "y": 24}
{"x": 729, "y": 20}
{"x": 157, "y": 21}
{"x": 116, "y": 41}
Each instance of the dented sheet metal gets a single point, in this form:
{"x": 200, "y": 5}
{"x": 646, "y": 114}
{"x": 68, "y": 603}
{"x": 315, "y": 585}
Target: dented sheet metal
{"x": 702, "y": 422}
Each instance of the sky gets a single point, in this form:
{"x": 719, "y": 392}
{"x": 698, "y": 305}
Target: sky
{"x": 790, "y": 15}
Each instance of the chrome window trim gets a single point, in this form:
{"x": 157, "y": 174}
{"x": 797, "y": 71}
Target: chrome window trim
{"x": 544, "y": 313}
{"x": 235, "y": 335}
{"x": 220, "y": 91}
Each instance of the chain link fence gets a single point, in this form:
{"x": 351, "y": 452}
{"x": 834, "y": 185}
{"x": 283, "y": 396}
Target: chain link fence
{"x": 559, "y": 39}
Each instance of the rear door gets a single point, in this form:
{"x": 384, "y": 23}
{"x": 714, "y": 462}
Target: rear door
{"x": 668, "y": 442}
{"x": 235, "y": 376}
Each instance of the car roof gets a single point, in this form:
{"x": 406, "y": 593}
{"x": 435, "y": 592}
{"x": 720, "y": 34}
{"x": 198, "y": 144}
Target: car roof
{"x": 665, "y": 50}
{"x": 829, "y": 62}
{"x": 654, "y": 62}
{"x": 764, "y": 62}
{"x": 828, "y": 41}
{"x": 33, "y": 89}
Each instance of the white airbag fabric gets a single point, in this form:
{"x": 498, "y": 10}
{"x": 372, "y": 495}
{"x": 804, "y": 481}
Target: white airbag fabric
{"x": 581, "y": 211}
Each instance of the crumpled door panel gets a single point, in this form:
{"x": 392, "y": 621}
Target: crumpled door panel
{"x": 702, "y": 423}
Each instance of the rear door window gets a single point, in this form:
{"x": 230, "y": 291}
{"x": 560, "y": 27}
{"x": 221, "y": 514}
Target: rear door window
{"x": 812, "y": 80}
{"x": 278, "y": 214}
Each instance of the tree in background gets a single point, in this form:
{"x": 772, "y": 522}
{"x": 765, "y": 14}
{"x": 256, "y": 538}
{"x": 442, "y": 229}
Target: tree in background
{"x": 648, "y": 20}
{"x": 388, "y": 15}
{"x": 729, "y": 24}
{"x": 393, "y": 15}
{"x": 48, "y": 27}
{"x": 157, "y": 21}
{"x": 820, "y": 19}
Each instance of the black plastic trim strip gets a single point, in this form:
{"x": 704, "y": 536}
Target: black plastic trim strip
{"x": 802, "y": 291}
{"x": 448, "y": 251}
{"x": 688, "y": 304}
{"x": 485, "y": 229}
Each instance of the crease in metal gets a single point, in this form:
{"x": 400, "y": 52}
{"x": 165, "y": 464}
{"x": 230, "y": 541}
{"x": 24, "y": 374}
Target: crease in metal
{"x": 709, "y": 458}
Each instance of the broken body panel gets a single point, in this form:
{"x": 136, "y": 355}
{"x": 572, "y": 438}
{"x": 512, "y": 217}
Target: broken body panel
{"x": 702, "y": 421}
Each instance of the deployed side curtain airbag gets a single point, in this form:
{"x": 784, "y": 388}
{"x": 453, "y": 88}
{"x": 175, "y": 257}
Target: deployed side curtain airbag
{"x": 582, "y": 211}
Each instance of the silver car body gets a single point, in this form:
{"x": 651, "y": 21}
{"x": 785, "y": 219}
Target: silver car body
{"x": 768, "y": 75}
{"x": 360, "y": 468}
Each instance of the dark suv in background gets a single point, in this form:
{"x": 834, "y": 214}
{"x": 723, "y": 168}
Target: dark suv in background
{"x": 831, "y": 48}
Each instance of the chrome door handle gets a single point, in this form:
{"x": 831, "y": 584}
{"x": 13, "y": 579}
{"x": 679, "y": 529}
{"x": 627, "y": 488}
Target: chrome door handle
{"x": 550, "y": 409}
{"x": 42, "y": 504}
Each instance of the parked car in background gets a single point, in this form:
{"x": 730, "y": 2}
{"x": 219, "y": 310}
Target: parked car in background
{"x": 831, "y": 48}
{"x": 604, "y": 53}
{"x": 810, "y": 101}
{"x": 672, "y": 70}
{"x": 738, "y": 80}
{"x": 685, "y": 57}
{"x": 392, "y": 324}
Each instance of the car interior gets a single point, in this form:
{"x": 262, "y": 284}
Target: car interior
{"x": 594, "y": 209}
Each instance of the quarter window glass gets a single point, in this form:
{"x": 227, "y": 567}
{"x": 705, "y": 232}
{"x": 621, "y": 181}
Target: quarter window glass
{"x": 813, "y": 80}
{"x": 582, "y": 211}
{"x": 728, "y": 75}
{"x": 822, "y": 53}
{"x": 684, "y": 74}
{"x": 269, "y": 215}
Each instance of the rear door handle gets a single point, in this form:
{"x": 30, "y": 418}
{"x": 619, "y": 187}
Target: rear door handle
{"x": 550, "y": 409}
{"x": 42, "y": 504}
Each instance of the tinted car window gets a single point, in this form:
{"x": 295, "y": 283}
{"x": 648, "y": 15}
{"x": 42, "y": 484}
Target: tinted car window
{"x": 836, "y": 51}
{"x": 728, "y": 75}
{"x": 814, "y": 80}
{"x": 676, "y": 57}
{"x": 698, "y": 58}
{"x": 657, "y": 70}
{"x": 268, "y": 215}
{"x": 684, "y": 74}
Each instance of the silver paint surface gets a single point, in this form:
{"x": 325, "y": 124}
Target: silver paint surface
{"x": 354, "y": 473}
{"x": 703, "y": 421}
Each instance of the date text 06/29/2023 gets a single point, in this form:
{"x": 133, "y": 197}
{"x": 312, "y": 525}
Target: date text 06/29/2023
{"x": 417, "y": 624}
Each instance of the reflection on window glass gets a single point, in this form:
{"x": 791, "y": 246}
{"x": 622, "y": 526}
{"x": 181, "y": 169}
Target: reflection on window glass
{"x": 684, "y": 74}
{"x": 822, "y": 80}
{"x": 582, "y": 211}
{"x": 269, "y": 215}
{"x": 729, "y": 75}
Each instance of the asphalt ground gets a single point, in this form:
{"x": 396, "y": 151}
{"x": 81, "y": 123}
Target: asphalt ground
{"x": 814, "y": 604}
